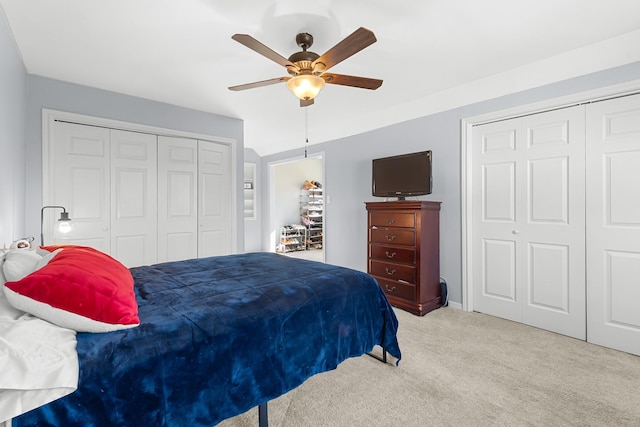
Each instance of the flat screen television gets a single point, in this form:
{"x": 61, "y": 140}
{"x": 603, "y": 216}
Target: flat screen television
{"x": 402, "y": 176}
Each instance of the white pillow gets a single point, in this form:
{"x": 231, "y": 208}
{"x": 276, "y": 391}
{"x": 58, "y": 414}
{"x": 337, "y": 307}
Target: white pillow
{"x": 42, "y": 252}
{"x": 19, "y": 263}
{"x": 46, "y": 258}
{"x": 2, "y": 255}
{"x": 7, "y": 311}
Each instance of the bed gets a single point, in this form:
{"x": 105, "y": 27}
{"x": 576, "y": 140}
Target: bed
{"x": 218, "y": 336}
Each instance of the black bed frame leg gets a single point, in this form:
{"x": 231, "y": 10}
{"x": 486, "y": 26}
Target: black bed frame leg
{"x": 263, "y": 418}
{"x": 383, "y": 359}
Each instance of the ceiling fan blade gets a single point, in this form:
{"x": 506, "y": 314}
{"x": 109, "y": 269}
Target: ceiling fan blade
{"x": 260, "y": 83}
{"x": 350, "y": 45}
{"x": 355, "y": 81}
{"x": 263, "y": 50}
{"x": 306, "y": 102}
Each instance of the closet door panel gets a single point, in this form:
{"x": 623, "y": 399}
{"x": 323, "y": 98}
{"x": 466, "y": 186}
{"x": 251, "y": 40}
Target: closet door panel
{"x": 215, "y": 199}
{"x": 549, "y": 190}
{"x": 622, "y": 292}
{"x": 79, "y": 180}
{"x": 499, "y": 267}
{"x": 177, "y": 198}
{"x": 496, "y": 219}
{"x": 553, "y": 227}
{"x": 613, "y": 223}
{"x": 549, "y": 264}
{"x": 134, "y": 198}
{"x": 620, "y": 172}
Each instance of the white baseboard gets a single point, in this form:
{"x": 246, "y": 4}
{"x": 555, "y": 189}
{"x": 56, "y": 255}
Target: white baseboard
{"x": 455, "y": 305}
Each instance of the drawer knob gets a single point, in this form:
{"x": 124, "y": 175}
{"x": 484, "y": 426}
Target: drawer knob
{"x": 390, "y": 288}
{"x": 390, "y": 238}
{"x": 391, "y": 221}
{"x": 390, "y": 255}
{"x": 390, "y": 272}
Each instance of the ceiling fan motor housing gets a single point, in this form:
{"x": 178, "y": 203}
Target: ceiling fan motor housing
{"x": 304, "y": 40}
{"x": 305, "y": 55}
{"x": 304, "y": 59}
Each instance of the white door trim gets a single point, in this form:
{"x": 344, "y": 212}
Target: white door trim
{"x": 320, "y": 155}
{"x": 49, "y": 117}
{"x": 466, "y": 139}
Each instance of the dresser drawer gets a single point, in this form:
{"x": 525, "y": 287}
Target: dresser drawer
{"x": 392, "y": 219}
{"x": 393, "y": 271}
{"x": 386, "y": 253}
{"x": 395, "y": 289}
{"x": 397, "y": 236}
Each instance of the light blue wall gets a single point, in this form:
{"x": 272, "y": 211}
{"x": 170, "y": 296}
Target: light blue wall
{"x": 62, "y": 96}
{"x": 13, "y": 85}
{"x": 348, "y": 172}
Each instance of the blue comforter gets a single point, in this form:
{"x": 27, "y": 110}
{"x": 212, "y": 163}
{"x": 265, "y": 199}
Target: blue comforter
{"x": 219, "y": 336}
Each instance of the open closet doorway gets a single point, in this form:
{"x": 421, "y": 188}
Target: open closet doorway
{"x": 297, "y": 203}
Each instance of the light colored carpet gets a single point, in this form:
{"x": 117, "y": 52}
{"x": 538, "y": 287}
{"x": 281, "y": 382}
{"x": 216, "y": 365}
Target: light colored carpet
{"x": 468, "y": 369}
{"x": 310, "y": 254}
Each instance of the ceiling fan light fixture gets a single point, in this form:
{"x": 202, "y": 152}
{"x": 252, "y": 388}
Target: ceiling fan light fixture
{"x": 305, "y": 86}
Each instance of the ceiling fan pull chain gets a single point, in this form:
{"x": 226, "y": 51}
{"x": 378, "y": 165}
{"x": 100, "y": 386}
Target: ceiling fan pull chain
{"x": 306, "y": 131}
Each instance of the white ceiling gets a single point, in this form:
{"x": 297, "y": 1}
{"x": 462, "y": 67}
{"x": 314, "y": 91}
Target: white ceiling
{"x": 431, "y": 54}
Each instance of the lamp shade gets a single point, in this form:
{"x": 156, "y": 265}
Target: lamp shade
{"x": 64, "y": 223}
{"x": 305, "y": 86}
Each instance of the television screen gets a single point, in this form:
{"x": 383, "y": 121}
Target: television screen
{"x": 401, "y": 176}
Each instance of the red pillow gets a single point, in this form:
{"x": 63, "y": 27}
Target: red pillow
{"x": 80, "y": 288}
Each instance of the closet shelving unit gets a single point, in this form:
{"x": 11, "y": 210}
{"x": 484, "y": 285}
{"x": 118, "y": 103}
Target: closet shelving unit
{"x": 311, "y": 215}
{"x": 292, "y": 238}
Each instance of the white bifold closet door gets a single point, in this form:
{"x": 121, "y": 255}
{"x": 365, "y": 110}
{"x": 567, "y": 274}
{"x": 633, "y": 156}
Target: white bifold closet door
{"x": 78, "y": 178}
{"x": 107, "y": 180}
{"x": 140, "y": 197}
{"x": 134, "y": 189}
{"x": 194, "y": 199}
{"x": 613, "y": 223}
{"x": 214, "y": 199}
{"x": 528, "y": 220}
{"x": 177, "y": 198}
{"x": 556, "y": 221}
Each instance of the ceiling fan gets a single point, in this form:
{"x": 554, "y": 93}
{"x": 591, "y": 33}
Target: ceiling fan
{"x": 308, "y": 69}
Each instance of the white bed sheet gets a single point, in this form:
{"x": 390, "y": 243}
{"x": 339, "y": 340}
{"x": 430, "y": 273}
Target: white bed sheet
{"x": 38, "y": 361}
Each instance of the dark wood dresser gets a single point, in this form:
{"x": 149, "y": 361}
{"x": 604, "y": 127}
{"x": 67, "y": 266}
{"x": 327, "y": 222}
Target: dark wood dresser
{"x": 404, "y": 252}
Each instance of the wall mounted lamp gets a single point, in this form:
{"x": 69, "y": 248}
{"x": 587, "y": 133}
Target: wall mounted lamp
{"x": 64, "y": 223}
